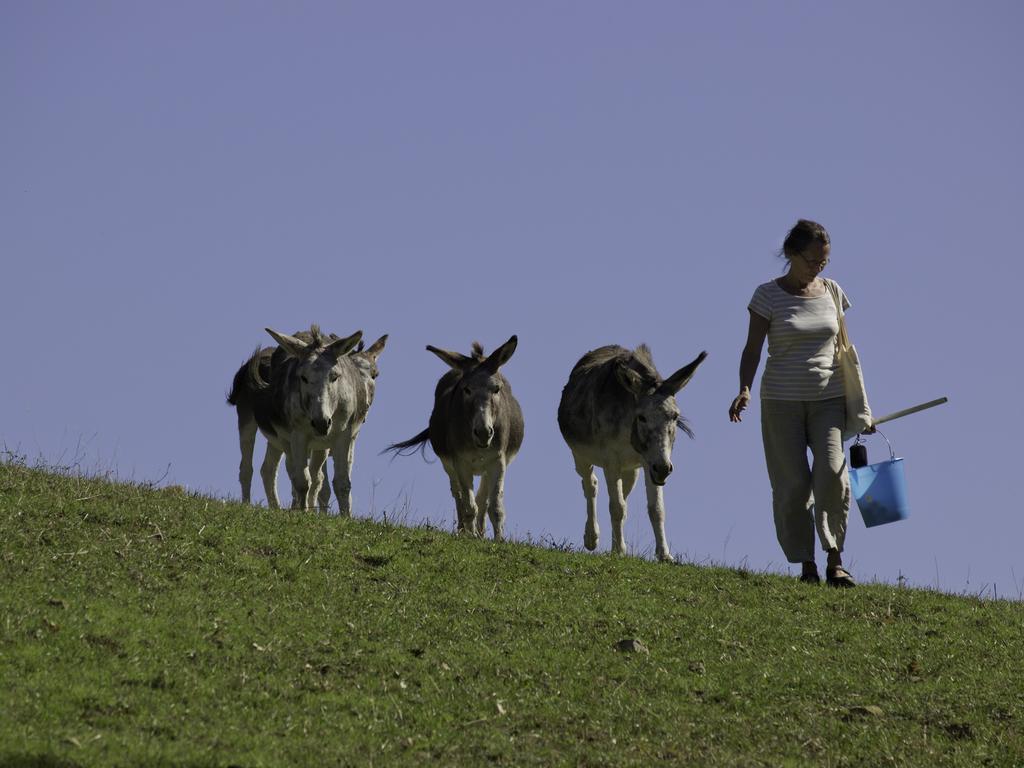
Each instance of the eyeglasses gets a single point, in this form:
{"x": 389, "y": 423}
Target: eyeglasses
{"x": 813, "y": 262}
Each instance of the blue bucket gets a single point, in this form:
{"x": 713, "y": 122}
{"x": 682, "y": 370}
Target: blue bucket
{"x": 881, "y": 491}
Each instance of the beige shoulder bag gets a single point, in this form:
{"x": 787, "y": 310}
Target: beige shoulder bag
{"x": 858, "y": 412}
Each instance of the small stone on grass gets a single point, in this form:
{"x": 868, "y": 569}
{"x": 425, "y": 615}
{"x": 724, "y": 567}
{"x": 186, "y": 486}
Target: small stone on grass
{"x": 631, "y": 645}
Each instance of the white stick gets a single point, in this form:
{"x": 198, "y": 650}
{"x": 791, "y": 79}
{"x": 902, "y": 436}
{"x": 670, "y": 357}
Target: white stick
{"x": 908, "y": 411}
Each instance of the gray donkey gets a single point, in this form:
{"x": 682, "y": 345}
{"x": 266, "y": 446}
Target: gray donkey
{"x": 476, "y": 428}
{"x": 310, "y": 396}
{"x": 617, "y": 413}
{"x": 249, "y": 392}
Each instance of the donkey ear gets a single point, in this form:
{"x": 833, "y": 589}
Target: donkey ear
{"x": 293, "y": 346}
{"x": 452, "y": 359}
{"x": 342, "y": 347}
{"x": 374, "y": 350}
{"x": 500, "y": 356}
{"x": 682, "y": 377}
{"x": 631, "y": 381}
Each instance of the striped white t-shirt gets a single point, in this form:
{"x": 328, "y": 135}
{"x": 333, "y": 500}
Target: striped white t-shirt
{"x": 801, "y": 343}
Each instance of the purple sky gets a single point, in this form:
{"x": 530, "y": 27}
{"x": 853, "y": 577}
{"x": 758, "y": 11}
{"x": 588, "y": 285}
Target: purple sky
{"x": 176, "y": 176}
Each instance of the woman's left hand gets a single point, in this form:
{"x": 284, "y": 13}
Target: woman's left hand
{"x": 739, "y": 405}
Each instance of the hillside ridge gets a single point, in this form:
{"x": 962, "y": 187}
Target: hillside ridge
{"x": 153, "y": 626}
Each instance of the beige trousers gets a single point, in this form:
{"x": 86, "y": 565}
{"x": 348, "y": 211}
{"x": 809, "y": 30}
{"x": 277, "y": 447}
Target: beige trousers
{"x": 805, "y": 498}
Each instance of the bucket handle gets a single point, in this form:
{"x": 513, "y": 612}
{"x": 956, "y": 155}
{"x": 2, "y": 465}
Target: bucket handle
{"x": 892, "y": 453}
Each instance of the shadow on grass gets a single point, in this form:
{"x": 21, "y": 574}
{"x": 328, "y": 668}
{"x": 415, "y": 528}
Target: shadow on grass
{"x": 36, "y": 761}
{"x": 13, "y": 760}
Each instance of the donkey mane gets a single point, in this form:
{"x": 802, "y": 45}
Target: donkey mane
{"x": 319, "y": 340}
{"x": 593, "y": 379}
{"x": 639, "y": 359}
{"x": 316, "y": 339}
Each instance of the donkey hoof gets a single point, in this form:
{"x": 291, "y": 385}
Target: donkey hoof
{"x": 590, "y": 541}
{"x": 666, "y": 557}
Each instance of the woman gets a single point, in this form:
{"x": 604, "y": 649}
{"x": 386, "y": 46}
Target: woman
{"x": 802, "y": 404}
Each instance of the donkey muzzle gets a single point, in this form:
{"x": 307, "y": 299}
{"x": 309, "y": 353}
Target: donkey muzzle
{"x": 482, "y": 436}
{"x": 660, "y": 472}
{"x": 321, "y": 426}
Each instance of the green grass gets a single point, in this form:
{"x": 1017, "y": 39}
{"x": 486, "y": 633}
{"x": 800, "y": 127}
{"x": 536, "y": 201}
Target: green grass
{"x": 154, "y": 627}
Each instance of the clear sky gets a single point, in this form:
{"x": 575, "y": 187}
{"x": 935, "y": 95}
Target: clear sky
{"x": 174, "y": 177}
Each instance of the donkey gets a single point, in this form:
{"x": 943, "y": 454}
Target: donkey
{"x": 248, "y": 386}
{"x": 318, "y": 458}
{"x": 476, "y": 428}
{"x": 617, "y": 413}
{"x": 249, "y": 393}
{"x": 310, "y": 397}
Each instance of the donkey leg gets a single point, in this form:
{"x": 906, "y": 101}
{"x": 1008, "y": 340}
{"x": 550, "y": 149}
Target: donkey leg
{"x": 656, "y": 511}
{"x": 247, "y": 442}
{"x": 317, "y": 460}
{"x": 592, "y": 531}
{"x": 456, "y": 488}
{"x": 297, "y": 462}
{"x": 617, "y": 507}
{"x": 494, "y": 482}
{"x": 324, "y": 497}
{"x": 471, "y": 518}
{"x": 628, "y": 481}
{"x": 473, "y": 522}
{"x": 268, "y": 472}
{"x": 298, "y": 473}
{"x": 461, "y": 478}
{"x": 344, "y": 452}
{"x": 483, "y": 494}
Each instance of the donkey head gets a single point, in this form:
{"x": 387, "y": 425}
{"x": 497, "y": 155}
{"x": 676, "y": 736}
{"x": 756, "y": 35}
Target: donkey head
{"x": 480, "y": 387}
{"x": 656, "y": 415}
{"x": 315, "y": 375}
{"x": 366, "y": 359}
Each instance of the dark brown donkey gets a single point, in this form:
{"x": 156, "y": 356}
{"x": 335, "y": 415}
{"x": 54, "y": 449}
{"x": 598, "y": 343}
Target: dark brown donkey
{"x": 476, "y": 429}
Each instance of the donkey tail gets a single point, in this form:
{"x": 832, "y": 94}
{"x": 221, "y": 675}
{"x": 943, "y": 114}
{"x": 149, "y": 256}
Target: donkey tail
{"x": 247, "y": 379}
{"x": 411, "y": 446}
{"x": 255, "y": 364}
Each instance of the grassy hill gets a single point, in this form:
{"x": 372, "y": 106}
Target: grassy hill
{"x": 153, "y": 627}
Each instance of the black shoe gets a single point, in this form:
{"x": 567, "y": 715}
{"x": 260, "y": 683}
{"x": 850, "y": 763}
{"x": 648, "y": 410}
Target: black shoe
{"x": 839, "y": 577}
{"x": 810, "y": 574}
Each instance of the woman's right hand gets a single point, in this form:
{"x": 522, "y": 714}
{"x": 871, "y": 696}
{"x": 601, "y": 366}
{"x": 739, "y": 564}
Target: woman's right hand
{"x": 739, "y": 405}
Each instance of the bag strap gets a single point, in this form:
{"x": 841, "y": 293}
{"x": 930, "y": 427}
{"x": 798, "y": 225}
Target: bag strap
{"x": 842, "y": 339}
